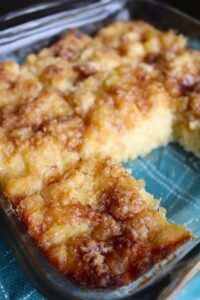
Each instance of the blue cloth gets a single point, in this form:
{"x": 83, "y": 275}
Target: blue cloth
{"x": 191, "y": 291}
{"x": 173, "y": 176}
{"x": 13, "y": 282}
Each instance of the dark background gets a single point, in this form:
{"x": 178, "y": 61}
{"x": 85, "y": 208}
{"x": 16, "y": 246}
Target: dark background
{"x": 191, "y": 7}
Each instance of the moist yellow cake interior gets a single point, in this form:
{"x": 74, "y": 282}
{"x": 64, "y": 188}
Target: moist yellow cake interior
{"x": 68, "y": 114}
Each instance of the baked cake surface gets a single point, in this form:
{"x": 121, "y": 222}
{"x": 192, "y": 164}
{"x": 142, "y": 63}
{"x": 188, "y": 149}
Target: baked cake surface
{"x": 99, "y": 225}
{"x": 68, "y": 114}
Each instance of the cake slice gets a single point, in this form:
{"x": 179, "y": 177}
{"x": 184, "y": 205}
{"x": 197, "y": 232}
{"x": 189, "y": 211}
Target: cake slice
{"x": 130, "y": 114}
{"x": 39, "y": 138}
{"x": 99, "y": 226}
{"x": 182, "y": 81}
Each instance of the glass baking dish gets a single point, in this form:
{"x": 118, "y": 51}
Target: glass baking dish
{"x": 171, "y": 173}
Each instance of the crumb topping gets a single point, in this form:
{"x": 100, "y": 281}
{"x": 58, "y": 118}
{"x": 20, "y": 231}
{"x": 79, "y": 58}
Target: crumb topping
{"x": 67, "y": 115}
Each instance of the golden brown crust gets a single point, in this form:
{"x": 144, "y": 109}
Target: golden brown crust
{"x": 99, "y": 219}
{"x": 122, "y": 93}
